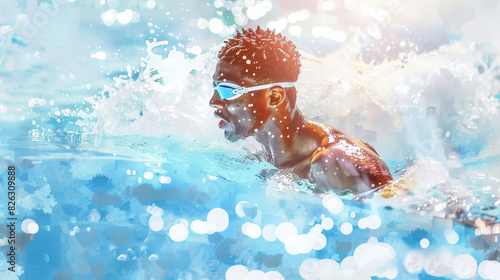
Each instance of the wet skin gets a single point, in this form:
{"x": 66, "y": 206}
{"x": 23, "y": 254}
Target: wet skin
{"x": 315, "y": 151}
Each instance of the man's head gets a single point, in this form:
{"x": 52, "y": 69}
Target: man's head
{"x": 254, "y": 58}
{"x": 264, "y": 53}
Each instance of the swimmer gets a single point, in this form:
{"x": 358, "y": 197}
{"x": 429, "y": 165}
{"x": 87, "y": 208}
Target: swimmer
{"x": 254, "y": 95}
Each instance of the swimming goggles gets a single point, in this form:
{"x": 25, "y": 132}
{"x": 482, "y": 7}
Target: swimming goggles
{"x": 231, "y": 91}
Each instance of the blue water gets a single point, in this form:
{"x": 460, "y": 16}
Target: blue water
{"x": 122, "y": 173}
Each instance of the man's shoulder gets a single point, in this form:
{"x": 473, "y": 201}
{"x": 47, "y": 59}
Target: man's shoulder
{"x": 339, "y": 142}
{"x": 344, "y": 149}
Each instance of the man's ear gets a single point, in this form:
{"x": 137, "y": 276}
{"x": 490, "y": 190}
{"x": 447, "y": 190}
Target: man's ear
{"x": 276, "y": 96}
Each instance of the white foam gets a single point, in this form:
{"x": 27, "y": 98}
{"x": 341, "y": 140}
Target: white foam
{"x": 252, "y": 230}
{"x": 309, "y": 269}
{"x": 148, "y": 175}
{"x": 312, "y": 269}
{"x": 327, "y": 223}
{"x": 451, "y": 236}
{"x": 285, "y": 230}
{"x": 155, "y": 210}
{"x": 202, "y": 23}
{"x": 333, "y": 203}
{"x": 215, "y": 25}
{"x": 178, "y": 232}
{"x": 389, "y": 273}
{"x": 346, "y": 228}
{"x": 239, "y": 208}
{"x": 108, "y": 17}
{"x": 94, "y": 216}
{"x": 318, "y": 241}
{"x": 236, "y": 272}
{"x": 255, "y": 275}
{"x": 489, "y": 270}
{"x": 372, "y": 253}
{"x": 371, "y": 222}
{"x": 165, "y": 179}
{"x": 202, "y": 227}
{"x": 298, "y": 244}
{"x": 125, "y": 17}
{"x": 154, "y": 108}
{"x": 273, "y": 275}
{"x": 370, "y": 259}
{"x": 100, "y": 55}
{"x": 465, "y": 266}
{"x": 240, "y": 272}
{"x": 439, "y": 264}
{"x": 327, "y": 267}
{"x": 219, "y": 218}
{"x": 156, "y": 223}
{"x": 414, "y": 262}
{"x": 424, "y": 243}
{"x": 269, "y": 232}
{"x": 29, "y": 226}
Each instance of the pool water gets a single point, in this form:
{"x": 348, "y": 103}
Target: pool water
{"x": 121, "y": 172}
{"x": 137, "y": 210}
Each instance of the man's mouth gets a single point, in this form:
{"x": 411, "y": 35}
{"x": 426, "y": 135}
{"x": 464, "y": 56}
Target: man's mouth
{"x": 222, "y": 123}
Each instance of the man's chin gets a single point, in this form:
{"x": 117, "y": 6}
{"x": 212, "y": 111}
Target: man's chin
{"x": 231, "y": 136}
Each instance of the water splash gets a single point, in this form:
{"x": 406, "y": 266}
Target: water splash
{"x": 168, "y": 96}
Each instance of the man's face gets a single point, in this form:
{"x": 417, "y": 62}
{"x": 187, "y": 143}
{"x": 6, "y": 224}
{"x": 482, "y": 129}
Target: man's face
{"x": 246, "y": 115}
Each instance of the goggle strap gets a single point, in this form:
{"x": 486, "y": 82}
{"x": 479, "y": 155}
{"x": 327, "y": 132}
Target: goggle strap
{"x": 284, "y": 85}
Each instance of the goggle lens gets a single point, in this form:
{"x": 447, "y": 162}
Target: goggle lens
{"x": 225, "y": 91}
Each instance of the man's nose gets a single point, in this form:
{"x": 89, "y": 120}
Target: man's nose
{"x": 215, "y": 101}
